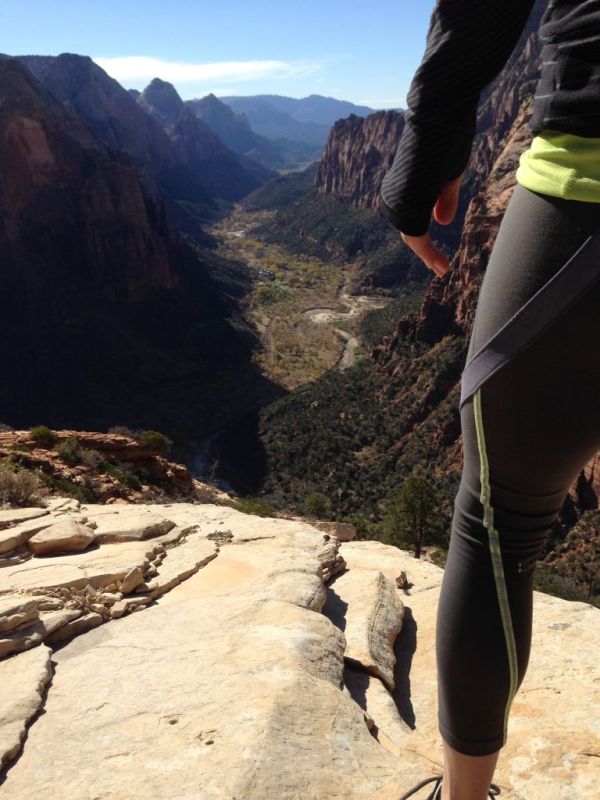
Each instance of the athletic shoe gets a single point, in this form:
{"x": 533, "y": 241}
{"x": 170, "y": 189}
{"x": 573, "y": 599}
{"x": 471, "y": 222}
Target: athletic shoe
{"x": 437, "y": 789}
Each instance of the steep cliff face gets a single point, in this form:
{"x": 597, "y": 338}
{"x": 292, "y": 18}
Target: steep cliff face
{"x": 104, "y": 310}
{"x": 192, "y": 138}
{"x": 356, "y": 157}
{"x": 358, "y": 153}
{"x": 74, "y": 214}
{"x": 112, "y": 113}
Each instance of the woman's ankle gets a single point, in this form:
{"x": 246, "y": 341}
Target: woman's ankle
{"x": 466, "y": 777}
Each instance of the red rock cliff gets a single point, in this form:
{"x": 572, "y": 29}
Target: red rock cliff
{"x": 74, "y": 214}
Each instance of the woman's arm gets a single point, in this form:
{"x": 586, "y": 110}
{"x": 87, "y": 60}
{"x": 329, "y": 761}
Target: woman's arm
{"x": 468, "y": 43}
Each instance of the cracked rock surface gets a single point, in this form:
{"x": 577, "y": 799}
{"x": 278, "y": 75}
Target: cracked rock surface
{"x": 23, "y": 680}
{"x": 194, "y": 651}
{"x": 553, "y": 747}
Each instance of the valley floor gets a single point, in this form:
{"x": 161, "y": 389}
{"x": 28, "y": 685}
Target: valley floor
{"x": 301, "y": 305}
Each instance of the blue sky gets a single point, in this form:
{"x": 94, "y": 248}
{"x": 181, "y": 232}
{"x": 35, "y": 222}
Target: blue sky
{"x": 365, "y": 52}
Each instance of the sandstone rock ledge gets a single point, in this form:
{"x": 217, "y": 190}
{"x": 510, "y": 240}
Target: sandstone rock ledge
{"x": 235, "y": 657}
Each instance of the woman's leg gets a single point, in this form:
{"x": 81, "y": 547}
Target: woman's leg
{"x": 527, "y": 432}
{"x": 467, "y": 777}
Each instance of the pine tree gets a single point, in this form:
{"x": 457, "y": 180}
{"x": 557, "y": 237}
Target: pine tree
{"x": 413, "y": 516}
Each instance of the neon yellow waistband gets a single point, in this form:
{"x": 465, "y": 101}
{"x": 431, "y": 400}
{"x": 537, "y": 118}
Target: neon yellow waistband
{"x": 563, "y": 165}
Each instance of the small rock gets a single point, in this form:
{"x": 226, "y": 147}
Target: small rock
{"x": 366, "y": 606}
{"x": 50, "y": 604}
{"x": 134, "y": 577}
{"x": 128, "y": 526}
{"x": 343, "y": 531}
{"x": 118, "y": 609}
{"x": 62, "y": 504}
{"x": 15, "y": 610}
{"x": 110, "y": 597}
{"x": 63, "y": 537}
{"x": 38, "y": 631}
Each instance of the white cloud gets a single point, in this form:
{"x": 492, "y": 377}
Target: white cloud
{"x": 144, "y": 68}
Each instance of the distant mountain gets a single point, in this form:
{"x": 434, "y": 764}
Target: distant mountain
{"x": 161, "y": 101}
{"x": 268, "y": 120}
{"x": 236, "y": 132}
{"x": 233, "y": 128}
{"x": 315, "y": 108}
{"x": 112, "y": 113}
{"x": 205, "y": 166}
{"x": 275, "y": 130}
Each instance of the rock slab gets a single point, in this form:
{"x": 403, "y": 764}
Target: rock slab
{"x": 66, "y": 536}
{"x": 240, "y": 698}
{"x": 365, "y": 604}
{"x": 23, "y": 680}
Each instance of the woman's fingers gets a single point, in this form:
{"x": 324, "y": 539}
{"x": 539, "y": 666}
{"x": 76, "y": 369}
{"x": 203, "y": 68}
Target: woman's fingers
{"x": 444, "y": 212}
{"x": 446, "y": 205}
{"x": 423, "y": 247}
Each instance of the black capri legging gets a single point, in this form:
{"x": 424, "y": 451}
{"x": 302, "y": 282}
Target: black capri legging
{"x": 530, "y": 416}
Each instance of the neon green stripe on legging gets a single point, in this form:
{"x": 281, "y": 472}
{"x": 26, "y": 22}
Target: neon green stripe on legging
{"x": 494, "y": 542}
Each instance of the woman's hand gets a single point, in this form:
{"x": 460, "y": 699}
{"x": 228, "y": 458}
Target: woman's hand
{"x": 444, "y": 212}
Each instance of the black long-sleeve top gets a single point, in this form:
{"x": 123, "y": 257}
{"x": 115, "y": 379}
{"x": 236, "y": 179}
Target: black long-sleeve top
{"x": 468, "y": 43}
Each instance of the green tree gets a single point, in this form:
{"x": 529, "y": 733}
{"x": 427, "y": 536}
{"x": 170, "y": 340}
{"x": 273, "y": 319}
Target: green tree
{"x": 316, "y": 504}
{"x": 413, "y": 516}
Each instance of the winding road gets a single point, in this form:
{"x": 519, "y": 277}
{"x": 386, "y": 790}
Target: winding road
{"x": 356, "y": 304}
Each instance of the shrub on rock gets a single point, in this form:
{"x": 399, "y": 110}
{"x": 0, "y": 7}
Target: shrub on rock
{"x": 43, "y": 435}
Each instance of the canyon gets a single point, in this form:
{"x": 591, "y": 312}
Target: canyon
{"x": 174, "y": 623}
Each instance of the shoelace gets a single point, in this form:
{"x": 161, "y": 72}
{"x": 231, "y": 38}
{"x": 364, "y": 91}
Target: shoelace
{"x": 493, "y": 792}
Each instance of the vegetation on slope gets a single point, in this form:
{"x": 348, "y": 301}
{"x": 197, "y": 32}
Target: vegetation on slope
{"x": 310, "y": 223}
